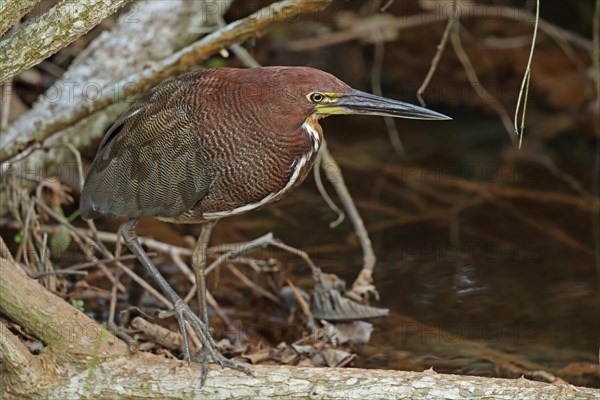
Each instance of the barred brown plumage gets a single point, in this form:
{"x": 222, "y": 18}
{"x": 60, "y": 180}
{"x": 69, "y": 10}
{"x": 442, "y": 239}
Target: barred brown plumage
{"x": 214, "y": 143}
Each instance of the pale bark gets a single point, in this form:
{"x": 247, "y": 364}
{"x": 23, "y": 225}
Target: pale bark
{"x": 12, "y": 11}
{"x": 70, "y": 334}
{"x": 144, "y": 377}
{"x": 22, "y": 367}
{"x": 59, "y": 27}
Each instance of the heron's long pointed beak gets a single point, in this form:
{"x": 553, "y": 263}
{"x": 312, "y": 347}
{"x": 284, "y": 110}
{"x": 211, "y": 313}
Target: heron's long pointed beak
{"x": 357, "y": 102}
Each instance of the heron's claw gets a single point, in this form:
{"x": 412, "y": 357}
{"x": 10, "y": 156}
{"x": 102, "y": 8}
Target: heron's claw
{"x": 238, "y": 366}
{"x": 209, "y": 349}
{"x": 203, "y": 359}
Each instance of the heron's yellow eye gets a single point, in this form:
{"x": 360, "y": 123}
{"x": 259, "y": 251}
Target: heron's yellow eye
{"x": 316, "y": 97}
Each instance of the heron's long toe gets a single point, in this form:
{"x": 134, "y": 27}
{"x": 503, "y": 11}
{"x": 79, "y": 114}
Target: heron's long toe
{"x": 209, "y": 349}
{"x": 226, "y": 362}
{"x": 203, "y": 358}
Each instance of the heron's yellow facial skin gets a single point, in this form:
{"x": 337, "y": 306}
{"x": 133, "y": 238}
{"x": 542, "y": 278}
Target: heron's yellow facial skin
{"x": 324, "y": 109}
{"x": 327, "y": 105}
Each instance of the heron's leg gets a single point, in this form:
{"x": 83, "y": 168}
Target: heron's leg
{"x": 181, "y": 309}
{"x": 199, "y": 267}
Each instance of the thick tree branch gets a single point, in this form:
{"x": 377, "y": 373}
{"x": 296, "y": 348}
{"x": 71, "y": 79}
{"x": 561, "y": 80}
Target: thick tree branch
{"x": 14, "y": 142}
{"x": 59, "y": 27}
{"x": 164, "y": 378}
{"x": 23, "y": 368}
{"x": 12, "y": 11}
{"x": 70, "y": 334}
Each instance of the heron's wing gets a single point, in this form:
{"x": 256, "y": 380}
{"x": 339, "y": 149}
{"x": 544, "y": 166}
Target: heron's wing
{"x": 150, "y": 162}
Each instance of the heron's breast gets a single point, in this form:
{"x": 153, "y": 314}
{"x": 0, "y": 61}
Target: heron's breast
{"x": 267, "y": 178}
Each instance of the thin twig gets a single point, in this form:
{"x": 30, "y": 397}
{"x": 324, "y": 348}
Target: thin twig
{"x": 337, "y": 180}
{"x": 240, "y": 52}
{"x": 262, "y": 241}
{"x": 65, "y": 271}
{"x": 386, "y": 5}
{"x": 23, "y": 249}
{"x": 557, "y": 33}
{"x": 302, "y": 254}
{"x": 112, "y": 326}
{"x": 104, "y": 261}
{"x": 596, "y": 167}
{"x": 526, "y": 79}
{"x": 494, "y": 194}
{"x": 251, "y": 284}
{"x": 452, "y": 19}
{"x": 476, "y": 83}
{"x": 323, "y": 191}
{"x": 303, "y": 305}
{"x": 547, "y": 162}
{"x": 125, "y": 269}
{"x": 63, "y": 221}
{"x": 6, "y": 92}
{"x": 390, "y": 122}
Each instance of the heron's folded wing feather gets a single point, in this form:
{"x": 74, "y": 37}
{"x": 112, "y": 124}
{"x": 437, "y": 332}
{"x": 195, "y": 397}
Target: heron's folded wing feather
{"x": 150, "y": 162}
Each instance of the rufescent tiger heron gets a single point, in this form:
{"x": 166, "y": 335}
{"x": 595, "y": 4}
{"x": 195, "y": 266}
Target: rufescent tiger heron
{"x": 216, "y": 143}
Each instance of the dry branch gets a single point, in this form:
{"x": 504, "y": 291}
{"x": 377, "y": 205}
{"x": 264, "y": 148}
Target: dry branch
{"x": 423, "y": 180}
{"x": 364, "y": 281}
{"x": 15, "y": 142}
{"x": 586, "y": 204}
{"x": 21, "y": 365}
{"x": 164, "y": 378}
{"x": 69, "y": 332}
{"x": 59, "y": 27}
{"x": 12, "y": 11}
{"x": 473, "y": 10}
